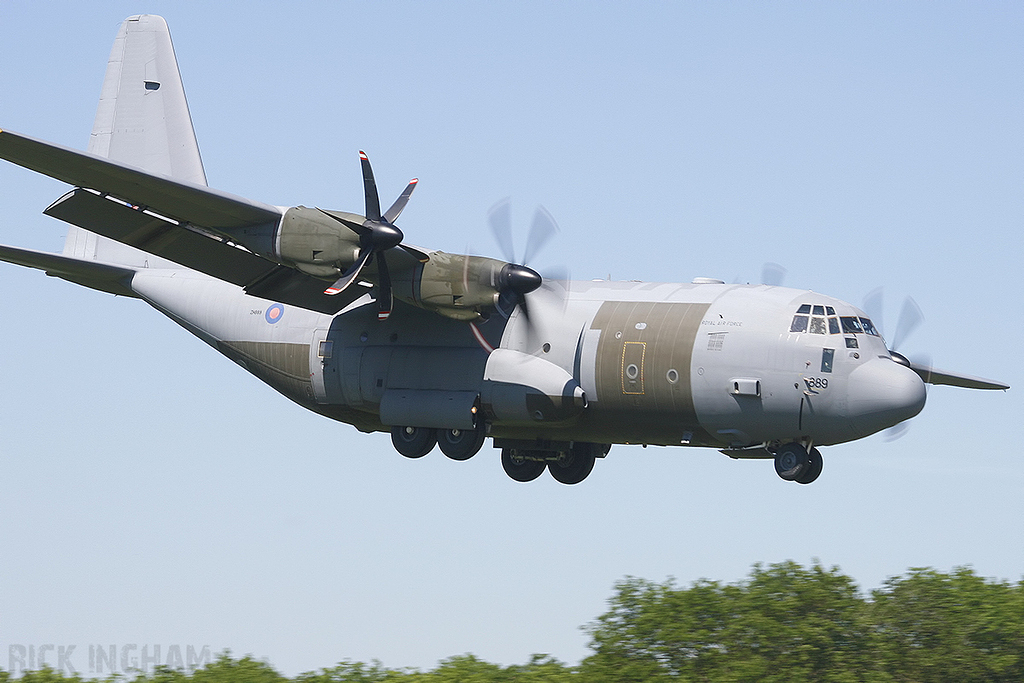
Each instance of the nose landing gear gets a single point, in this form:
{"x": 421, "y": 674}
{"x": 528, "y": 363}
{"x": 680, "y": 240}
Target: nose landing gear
{"x": 794, "y": 462}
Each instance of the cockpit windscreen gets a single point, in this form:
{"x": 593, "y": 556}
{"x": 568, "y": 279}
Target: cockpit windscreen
{"x": 818, "y": 319}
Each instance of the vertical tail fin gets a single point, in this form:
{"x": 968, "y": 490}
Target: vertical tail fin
{"x": 143, "y": 117}
{"x": 142, "y": 120}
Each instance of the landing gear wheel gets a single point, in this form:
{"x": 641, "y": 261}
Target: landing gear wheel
{"x": 791, "y": 461}
{"x": 518, "y": 467}
{"x": 460, "y": 444}
{"x": 576, "y": 467}
{"x": 813, "y": 468}
{"x": 413, "y": 442}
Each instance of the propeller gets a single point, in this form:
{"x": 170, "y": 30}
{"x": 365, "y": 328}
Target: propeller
{"x": 377, "y": 234}
{"x": 516, "y": 280}
{"x": 909, "y": 320}
{"x": 773, "y": 274}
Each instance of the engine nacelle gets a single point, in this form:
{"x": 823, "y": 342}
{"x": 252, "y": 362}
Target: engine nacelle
{"x": 453, "y": 285}
{"x": 306, "y": 240}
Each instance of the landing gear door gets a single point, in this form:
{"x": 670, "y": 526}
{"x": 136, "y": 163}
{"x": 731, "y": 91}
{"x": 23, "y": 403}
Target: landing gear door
{"x": 321, "y": 363}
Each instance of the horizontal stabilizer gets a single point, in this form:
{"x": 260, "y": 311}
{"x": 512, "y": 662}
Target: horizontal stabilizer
{"x": 933, "y": 376}
{"x": 101, "y": 276}
{"x": 181, "y": 200}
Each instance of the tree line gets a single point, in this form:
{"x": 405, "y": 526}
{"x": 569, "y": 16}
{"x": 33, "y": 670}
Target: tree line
{"x": 784, "y": 622}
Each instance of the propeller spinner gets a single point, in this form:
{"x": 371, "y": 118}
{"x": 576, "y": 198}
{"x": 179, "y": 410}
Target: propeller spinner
{"x": 377, "y": 234}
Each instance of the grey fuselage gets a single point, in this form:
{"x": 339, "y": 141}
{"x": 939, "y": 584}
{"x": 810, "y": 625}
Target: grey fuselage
{"x": 669, "y": 364}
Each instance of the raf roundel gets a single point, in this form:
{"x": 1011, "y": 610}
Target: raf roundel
{"x": 274, "y": 313}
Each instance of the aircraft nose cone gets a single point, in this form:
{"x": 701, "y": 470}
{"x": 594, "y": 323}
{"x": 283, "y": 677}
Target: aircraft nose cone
{"x": 883, "y": 393}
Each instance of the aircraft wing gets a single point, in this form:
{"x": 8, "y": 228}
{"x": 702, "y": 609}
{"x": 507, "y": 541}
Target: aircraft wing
{"x": 933, "y": 376}
{"x": 178, "y": 199}
{"x": 133, "y": 207}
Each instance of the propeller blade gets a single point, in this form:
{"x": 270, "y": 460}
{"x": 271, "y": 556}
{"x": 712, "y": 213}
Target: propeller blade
{"x": 897, "y": 431}
{"x": 542, "y": 229}
{"x": 922, "y": 365}
{"x": 873, "y": 301}
{"x": 392, "y": 214}
{"x": 507, "y": 301}
{"x": 516, "y": 280}
{"x": 369, "y": 188}
{"x": 357, "y": 228}
{"x": 772, "y": 274}
{"x": 350, "y": 275}
{"x": 499, "y": 217}
{"x": 910, "y": 317}
{"x": 419, "y": 255}
{"x": 525, "y": 308}
{"x": 384, "y": 297}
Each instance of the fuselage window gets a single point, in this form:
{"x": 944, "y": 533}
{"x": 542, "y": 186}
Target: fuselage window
{"x": 869, "y": 327}
{"x": 827, "y": 357}
{"x": 851, "y": 325}
{"x": 851, "y": 343}
{"x": 817, "y": 325}
{"x": 833, "y": 325}
{"x": 799, "y": 324}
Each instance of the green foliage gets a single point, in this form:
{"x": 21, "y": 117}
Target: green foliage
{"x": 44, "y": 675}
{"x": 789, "y": 623}
{"x": 351, "y": 672}
{"x": 930, "y": 624}
{"x": 784, "y": 622}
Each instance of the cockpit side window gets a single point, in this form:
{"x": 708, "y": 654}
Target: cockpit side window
{"x": 851, "y": 325}
{"x": 833, "y": 325}
{"x": 869, "y": 327}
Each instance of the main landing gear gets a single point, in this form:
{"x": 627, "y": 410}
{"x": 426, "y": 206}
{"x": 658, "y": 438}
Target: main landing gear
{"x": 569, "y": 466}
{"x": 794, "y": 462}
{"x": 457, "y": 444}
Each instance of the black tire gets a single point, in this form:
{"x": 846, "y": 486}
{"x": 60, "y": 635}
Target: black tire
{"x": 813, "y": 468}
{"x": 577, "y": 467}
{"x": 460, "y": 444}
{"x": 413, "y": 442}
{"x": 518, "y": 467}
{"x": 791, "y": 461}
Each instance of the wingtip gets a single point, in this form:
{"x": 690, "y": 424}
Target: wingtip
{"x": 362, "y": 155}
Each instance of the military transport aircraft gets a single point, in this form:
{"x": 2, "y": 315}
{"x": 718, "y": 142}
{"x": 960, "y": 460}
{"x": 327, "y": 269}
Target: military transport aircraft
{"x": 338, "y": 313}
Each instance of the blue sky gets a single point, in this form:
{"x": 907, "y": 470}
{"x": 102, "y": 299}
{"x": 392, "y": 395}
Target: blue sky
{"x": 153, "y": 492}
